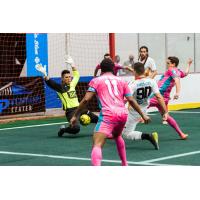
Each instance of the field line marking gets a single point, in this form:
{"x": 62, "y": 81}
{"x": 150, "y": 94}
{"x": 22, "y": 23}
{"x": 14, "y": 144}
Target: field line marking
{"x": 171, "y": 157}
{"x": 187, "y": 112}
{"x": 32, "y": 126}
{"x": 76, "y": 158}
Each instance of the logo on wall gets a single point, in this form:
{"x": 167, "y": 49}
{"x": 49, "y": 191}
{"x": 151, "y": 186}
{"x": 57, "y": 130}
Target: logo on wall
{"x": 4, "y": 103}
{"x": 37, "y": 52}
{"x": 13, "y": 89}
{"x": 22, "y": 96}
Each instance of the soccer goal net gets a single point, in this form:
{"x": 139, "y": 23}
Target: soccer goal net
{"x": 22, "y": 88}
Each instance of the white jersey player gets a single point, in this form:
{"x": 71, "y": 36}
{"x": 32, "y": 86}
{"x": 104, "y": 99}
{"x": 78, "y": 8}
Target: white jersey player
{"x": 141, "y": 89}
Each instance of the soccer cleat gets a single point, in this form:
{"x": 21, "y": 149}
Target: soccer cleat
{"x": 184, "y": 136}
{"x": 165, "y": 122}
{"x": 154, "y": 140}
{"x": 61, "y": 131}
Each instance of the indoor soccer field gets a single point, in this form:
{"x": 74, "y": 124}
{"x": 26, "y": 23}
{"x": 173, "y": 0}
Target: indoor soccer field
{"x": 35, "y": 143}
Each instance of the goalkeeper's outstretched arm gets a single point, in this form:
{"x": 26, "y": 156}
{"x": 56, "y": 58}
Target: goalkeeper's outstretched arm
{"x": 52, "y": 84}
{"x": 69, "y": 61}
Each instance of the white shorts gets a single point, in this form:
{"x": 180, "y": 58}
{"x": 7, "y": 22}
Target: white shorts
{"x": 131, "y": 123}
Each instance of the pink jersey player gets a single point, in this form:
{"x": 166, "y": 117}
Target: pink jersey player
{"x": 116, "y": 68}
{"x": 166, "y": 83}
{"x": 110, "y": 92}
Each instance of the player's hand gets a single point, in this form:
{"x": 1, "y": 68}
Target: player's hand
{"x": 41, "y": 69}
{"x": 176, "y": 96}
{"x": 69, "y": 60}
{"x": 73, "y": 121}
{"x": 190, "y": 61}
{"x": 165, "y": 116}
{"x": 146, "y": 119}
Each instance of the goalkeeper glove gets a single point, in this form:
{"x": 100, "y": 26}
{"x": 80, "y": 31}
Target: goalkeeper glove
{"x": 69, "y": 60}
{"x": 41, "y": 69}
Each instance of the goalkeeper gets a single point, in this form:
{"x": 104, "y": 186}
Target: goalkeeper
{"x": 67, "y": 94}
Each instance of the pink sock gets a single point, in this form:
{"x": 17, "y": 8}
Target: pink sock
{"x": 121, "y": 150}
{"x": 96, "y": 156}
{"x": 173, "y": 124}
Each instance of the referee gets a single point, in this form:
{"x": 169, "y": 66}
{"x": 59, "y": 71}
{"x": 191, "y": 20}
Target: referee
{"x": 67, "y": 94}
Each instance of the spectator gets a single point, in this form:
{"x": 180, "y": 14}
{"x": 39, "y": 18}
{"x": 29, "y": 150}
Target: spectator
{"x": 149, "y": 63}
{"x": 116, "y": 68}
{"x": 129, "y": 63}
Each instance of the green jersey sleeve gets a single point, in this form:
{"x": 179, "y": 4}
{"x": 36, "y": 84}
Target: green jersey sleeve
{"x": 75, "y": 80}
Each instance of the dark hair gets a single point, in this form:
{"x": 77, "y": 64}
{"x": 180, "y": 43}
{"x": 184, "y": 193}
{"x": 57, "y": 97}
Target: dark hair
{"x": 174, "y": 60}
{"x": 139, "y": 68}
{"x": 105, "y": 55}
{"x": 144, "y": 47}
{"x": 107, "y": 65}
{"x": 65, "y": 72}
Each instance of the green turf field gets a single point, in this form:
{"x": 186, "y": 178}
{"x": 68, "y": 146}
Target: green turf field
{"x": 35, "y": 143}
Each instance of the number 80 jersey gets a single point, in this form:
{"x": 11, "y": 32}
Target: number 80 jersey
{"x": 142, "y": 89}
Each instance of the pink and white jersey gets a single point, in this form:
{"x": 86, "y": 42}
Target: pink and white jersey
{"x": 110, "y": 91}
{"x": 167, "y": 82}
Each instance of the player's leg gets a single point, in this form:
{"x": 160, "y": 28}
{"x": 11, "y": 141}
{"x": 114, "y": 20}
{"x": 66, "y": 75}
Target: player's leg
{"x": 171, "y": 121}
{"x": 165, "y": 121}
{"x": 130, "y": 133}
{"x": 121, "y": 148}
{"x": 117, "y": 135}
{"x": 71, "y": 130}
{"x": 98, "y": 142}
{"x": 101, "y": 132}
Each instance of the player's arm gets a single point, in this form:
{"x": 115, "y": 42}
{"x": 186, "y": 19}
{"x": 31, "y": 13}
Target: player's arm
{"x": 76, "y": 77}
{"x": 188, "y": 67}
{"x": 96, "y": 70}
{"x": 135, "y": 106}
{"x": 153, "y": 74}
{"x": 128, "y": 68}
{"x": 52, "y": 84}
{"x": 69, "y": 61}
{"x": 178, "y": 87}
{"x": 88, "y": 96}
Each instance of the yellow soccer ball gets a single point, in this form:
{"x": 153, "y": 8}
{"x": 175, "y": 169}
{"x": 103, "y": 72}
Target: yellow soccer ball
{"x": 85, "y": 119}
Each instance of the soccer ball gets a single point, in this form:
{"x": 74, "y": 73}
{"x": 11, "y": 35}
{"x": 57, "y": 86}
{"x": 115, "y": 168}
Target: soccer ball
{"x": 85, "y": 119}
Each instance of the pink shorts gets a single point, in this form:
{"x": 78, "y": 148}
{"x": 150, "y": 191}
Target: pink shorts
{"x": 111, "y": 128}
{"x": 154, "y": 102}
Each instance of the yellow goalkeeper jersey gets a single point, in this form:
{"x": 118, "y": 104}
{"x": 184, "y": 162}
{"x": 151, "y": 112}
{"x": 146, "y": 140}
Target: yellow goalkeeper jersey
{"x": 66, "y": 93}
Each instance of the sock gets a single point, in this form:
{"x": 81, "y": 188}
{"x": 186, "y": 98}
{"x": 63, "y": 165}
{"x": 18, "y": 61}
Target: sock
{"x": 121, "y": 150}
{"x": 145, "y": 136}
{"x": 174, "y": 125}
{"x": 171, "y": 121}
{"x": 96, "y": 156}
